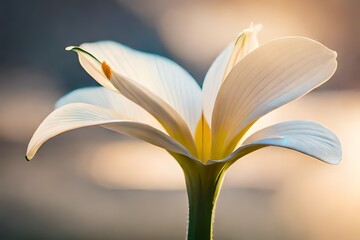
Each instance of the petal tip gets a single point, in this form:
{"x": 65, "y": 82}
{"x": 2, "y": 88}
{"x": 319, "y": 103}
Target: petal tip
{"x": 338, "y": 158}
{"x": 334, "y": 53}
{"x": 27, "y": 158}
{"x": 254, "y": 27}
{"x": 69, "y": 48}
{"x": 79, "y": 50}
{"x": 333, "y": 161}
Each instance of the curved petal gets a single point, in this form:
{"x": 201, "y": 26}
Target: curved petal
{"x": 77, "y": 115}
{"x": 306, "y": 137}
{"x": 102, "y": 97}
{"x": 213, "y": 80}
{"x": 165, "y": 114}
{"x": 269, "y": 77}
{"x": 220, "y": 68}
{"x": 152, "y": 100}
{"x": 159, "y": 75}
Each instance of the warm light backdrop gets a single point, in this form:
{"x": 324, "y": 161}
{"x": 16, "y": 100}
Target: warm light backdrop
{"x": 95, "y": 184}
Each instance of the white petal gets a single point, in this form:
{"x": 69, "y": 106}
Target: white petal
{"x": 157, "y": 74}
{"x": 163, "y": 112}
{"x": 90, "y": 63}
{"x": 306, "y": 137}
{"x": 219, "y": 69}
{"x": 213, "y": 80}
{"x": 244, "y": 44}
{"x": 154, "y": 89}
{"x": 269, "y": 77}
{"x": 102, "y": 97}
{"x": 77, "y": 115}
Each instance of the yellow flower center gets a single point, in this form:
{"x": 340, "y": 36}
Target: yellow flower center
{"x": 203, "y": 140}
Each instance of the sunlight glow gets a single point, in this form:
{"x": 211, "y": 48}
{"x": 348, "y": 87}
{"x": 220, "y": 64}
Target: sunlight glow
{"x": 122, "y": 165}
{"x": 135, "y": 165}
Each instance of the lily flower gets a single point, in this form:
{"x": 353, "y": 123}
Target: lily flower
{"x": 153, "y": 99}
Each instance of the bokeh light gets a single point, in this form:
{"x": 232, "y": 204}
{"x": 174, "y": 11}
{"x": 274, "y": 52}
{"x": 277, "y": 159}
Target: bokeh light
{"x": 95, "y": 184}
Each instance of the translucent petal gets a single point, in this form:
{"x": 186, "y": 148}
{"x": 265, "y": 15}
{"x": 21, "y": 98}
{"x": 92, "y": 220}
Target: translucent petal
{"x": 154, "y": 88}
{"x": 157, "y": 74}
{"x": 167, "y": 116}
{"x": 269, "y": 77}
{"x": 213, "y": 81}
{"x": 220, "y": 68}
{"x": 102, "y": 97}
{"x": 307, "y": 137}
{"x": 77, "y": 115}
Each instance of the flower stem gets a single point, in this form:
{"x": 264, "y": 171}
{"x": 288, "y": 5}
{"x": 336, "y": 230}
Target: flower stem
{"x": 203, "y": 186}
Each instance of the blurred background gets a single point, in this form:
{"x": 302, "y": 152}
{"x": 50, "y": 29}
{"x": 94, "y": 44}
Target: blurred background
{"x": 95, "y": 184}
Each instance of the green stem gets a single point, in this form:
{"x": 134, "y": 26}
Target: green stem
{"x": 203, "y": 186}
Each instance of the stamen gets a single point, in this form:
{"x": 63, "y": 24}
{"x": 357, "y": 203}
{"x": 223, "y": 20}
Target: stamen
{"x": 106, "y": 69}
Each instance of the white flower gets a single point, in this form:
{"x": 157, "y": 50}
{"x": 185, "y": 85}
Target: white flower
{"x": 152, "y": 98}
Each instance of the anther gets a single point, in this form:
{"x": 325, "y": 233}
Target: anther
{"x": 106, "y": 69}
